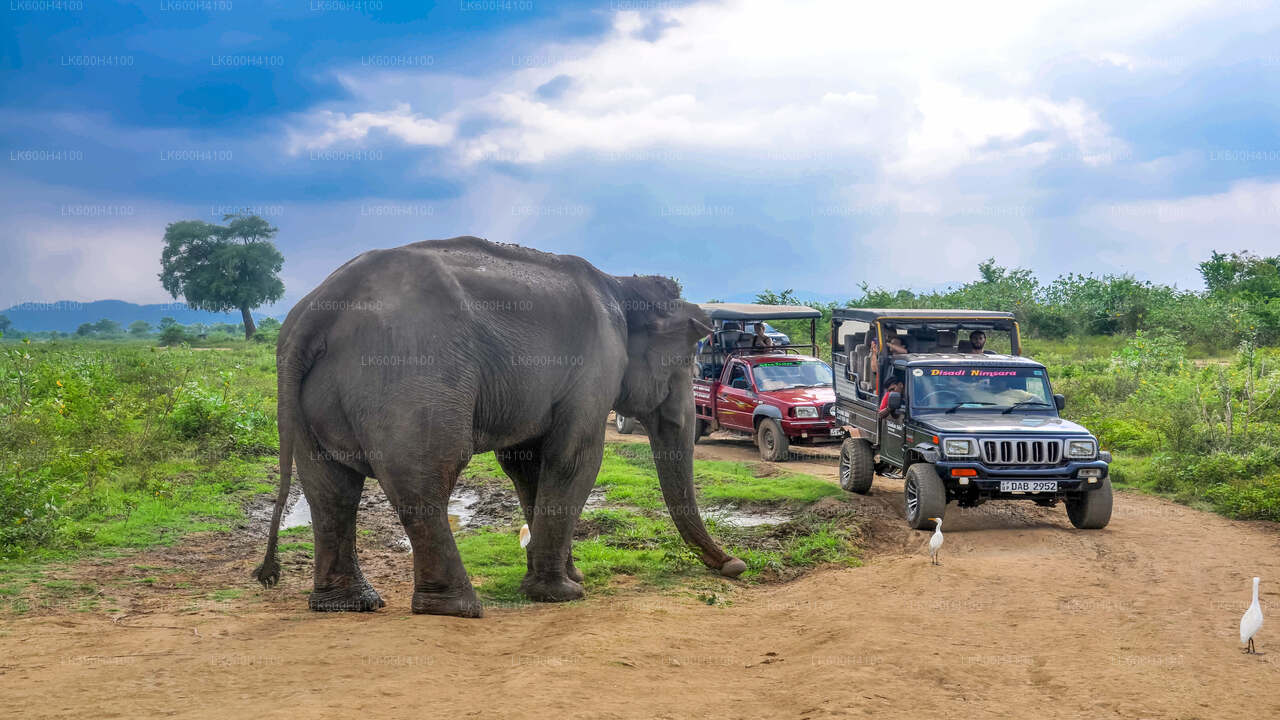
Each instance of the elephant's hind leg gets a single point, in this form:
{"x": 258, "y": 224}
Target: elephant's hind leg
{"x": 567, "y": 473}
{"x": 333, "y": 493}
{"x": 420, "y": 494}
{"x": 522, "y": 464}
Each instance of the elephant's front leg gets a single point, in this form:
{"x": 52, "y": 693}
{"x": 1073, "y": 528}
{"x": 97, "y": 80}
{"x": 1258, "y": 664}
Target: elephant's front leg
{"x": 566, "y": 476}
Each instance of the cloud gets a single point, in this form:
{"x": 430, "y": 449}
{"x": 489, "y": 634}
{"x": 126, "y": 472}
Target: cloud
{"x": 1159, "y": 234}
{"x": 839, "y": 79}
{"x": 330, "y": 128}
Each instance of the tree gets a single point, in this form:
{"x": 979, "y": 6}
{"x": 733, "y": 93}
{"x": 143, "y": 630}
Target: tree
{"x": 223, "y": 267}
{"x": 138, "y": 328}
{"x": 5, "y": 324}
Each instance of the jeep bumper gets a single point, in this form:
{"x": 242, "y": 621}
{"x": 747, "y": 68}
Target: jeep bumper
{"x": 986, "y": 478}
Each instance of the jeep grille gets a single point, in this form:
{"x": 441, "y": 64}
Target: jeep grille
{"x": 1022, "y": 452}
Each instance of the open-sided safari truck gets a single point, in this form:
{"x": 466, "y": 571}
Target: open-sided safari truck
{"x": 777, "y": 394}
{"x": 968, "y": 425}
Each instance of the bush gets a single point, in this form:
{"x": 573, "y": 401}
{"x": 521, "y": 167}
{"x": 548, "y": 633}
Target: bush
{"x": 173, "y": 335}
{"x": 215, "y": 419}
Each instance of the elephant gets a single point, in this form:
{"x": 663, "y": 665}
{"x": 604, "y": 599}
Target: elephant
{"x": 405, "y": 362}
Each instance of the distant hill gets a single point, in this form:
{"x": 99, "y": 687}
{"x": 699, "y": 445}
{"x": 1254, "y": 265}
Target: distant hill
{"x": 67, "y": 315}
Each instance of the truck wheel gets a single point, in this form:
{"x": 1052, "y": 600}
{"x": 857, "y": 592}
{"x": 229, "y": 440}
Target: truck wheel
{"x": 772, "y": 441}
{"x": 857, "y": 466}
{"x": 925, "y": 494}
{"x": 1091, "y": 510}
{"x": 699, "y": 430}
{"x": 625, "y": 425}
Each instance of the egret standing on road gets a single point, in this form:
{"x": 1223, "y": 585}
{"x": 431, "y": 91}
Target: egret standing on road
{"x": 1251, "y": 621}
{"x": 935, "y": 543}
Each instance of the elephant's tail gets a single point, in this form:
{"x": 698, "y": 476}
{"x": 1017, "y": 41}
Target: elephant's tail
{"x": 290, "y": 369}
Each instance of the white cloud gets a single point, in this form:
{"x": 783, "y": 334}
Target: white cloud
{"x": 327, "y": 128}
{"x": 920, "y": 90}
{"x": 1156, "y": 235}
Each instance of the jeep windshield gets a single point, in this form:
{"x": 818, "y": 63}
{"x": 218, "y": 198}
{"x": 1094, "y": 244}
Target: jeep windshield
{"x": 788, "y": 374}
{"x": 955, "y": 388}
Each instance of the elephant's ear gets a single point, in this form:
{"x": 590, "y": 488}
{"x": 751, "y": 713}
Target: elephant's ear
{"x": 681, "y": 330}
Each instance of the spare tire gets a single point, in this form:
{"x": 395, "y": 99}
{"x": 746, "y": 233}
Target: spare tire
{"x": 625, "y": 425}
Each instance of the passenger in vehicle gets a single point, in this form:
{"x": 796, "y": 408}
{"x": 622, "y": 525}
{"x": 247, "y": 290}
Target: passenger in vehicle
{"x": 760, "y": 339}
{"x": 895, "y": 385}
{"x": 896, "y": 346}
{"x": 977, "y": 340}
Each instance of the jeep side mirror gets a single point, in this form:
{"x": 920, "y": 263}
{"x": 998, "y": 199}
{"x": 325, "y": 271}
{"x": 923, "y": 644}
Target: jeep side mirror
{"x": 1060, "y": 400}
{"x": 895, "y": 401}
{"x": 740, "y": 384}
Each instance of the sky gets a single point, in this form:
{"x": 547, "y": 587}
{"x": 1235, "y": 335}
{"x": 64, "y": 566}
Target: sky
{"x": 736, "y": 145}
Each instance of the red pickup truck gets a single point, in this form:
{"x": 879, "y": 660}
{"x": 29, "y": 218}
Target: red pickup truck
{"x": 774, "y": 393}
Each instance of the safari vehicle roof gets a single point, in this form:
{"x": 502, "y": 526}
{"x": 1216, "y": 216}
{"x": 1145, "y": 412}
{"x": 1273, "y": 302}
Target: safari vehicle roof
{"x": 873, "y": 314}
{"x": 751, "y": 311}
{"x": 754, "y": 359}
{"x": 965, "y": 359}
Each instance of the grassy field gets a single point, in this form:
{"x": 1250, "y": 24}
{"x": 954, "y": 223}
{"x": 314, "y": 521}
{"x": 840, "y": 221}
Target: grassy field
{"x": 109, "y": 447}
{"x": 112, "y": 446}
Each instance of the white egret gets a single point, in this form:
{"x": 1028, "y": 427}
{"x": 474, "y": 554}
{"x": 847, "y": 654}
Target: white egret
{"x": 525, "y": 535}
{"x": 935, "y": 542}
{"x": 1251, "y": 621}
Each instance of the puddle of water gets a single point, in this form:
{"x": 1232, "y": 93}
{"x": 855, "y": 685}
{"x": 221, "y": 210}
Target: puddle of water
{"x": 298, "y": 515}
{"x": 742, "y": 518}
{"x": 460, "y": 511}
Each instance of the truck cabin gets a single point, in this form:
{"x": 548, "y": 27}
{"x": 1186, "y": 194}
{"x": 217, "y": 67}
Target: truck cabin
{"x": 864, "y": 339}
{"x": 731, "y": 337}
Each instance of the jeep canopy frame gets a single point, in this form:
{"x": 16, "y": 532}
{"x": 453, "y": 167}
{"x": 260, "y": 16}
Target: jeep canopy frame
{"x": 932, "y": 320}
{"x": 752, "y": 312}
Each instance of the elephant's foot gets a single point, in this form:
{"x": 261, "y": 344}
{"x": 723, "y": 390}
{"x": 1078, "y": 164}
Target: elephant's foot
{"x": 358, "y": 598}
{"x": 556, "y": 588}
{"x": 573, "y": 572}
{"x": 462, "y": 603}
{"x": 732, "y": 568}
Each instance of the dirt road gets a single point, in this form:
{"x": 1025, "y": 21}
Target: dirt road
{"x": 1027, "y": 617}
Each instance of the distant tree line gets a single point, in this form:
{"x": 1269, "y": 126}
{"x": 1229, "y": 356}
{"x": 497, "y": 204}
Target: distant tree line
{"x": 1240, "y": 302}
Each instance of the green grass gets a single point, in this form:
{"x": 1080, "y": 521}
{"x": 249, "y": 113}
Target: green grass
{"x": 638, "y": 541}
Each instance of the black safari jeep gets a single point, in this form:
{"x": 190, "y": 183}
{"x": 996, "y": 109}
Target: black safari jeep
{"x": 967, "y": 423}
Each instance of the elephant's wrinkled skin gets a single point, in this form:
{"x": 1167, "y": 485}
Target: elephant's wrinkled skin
{"x": 405, "y": 362}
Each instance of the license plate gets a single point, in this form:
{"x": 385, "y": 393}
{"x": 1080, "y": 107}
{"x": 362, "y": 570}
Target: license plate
{"x": 836, "y": 432}
{"x": 1028, "y": 486}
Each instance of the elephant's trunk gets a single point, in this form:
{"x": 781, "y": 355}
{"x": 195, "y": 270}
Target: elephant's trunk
{"x": 672, "y": 446}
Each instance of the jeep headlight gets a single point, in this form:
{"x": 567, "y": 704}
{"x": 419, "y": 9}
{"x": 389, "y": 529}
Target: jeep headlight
{"x": 806, "y": 412}
{"x": 958, "y": 447}
{"x": 1081, "y": 449}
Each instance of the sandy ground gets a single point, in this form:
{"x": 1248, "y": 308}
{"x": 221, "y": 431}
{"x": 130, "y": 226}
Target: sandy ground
{"x": 1026, "y": 617}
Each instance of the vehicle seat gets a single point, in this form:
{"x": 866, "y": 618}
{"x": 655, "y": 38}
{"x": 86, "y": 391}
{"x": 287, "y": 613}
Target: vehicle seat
{"x": 946, "y": 341}
{"x": 851, "y": 344}
{"x": 864, "y": 371}
{"x": 964, "y": 347}
{"x": 730, "y": 338}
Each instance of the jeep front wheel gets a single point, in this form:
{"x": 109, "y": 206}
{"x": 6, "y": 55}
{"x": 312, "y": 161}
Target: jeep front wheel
{"x": 857, "y": 466}
{"x": 1091, "y": 510}
{"x": 772, "y": 441}
{"x": 925, "y": 495}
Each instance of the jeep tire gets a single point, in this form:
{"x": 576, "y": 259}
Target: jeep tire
{"x": 1091, "y": 510}
{"x": 625, "y": 425}
{"x": 925, "y": 496}
{"x": 772, "y": 441}
{"x": 857, "y": 466}
{"x": 699, "y": 429}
